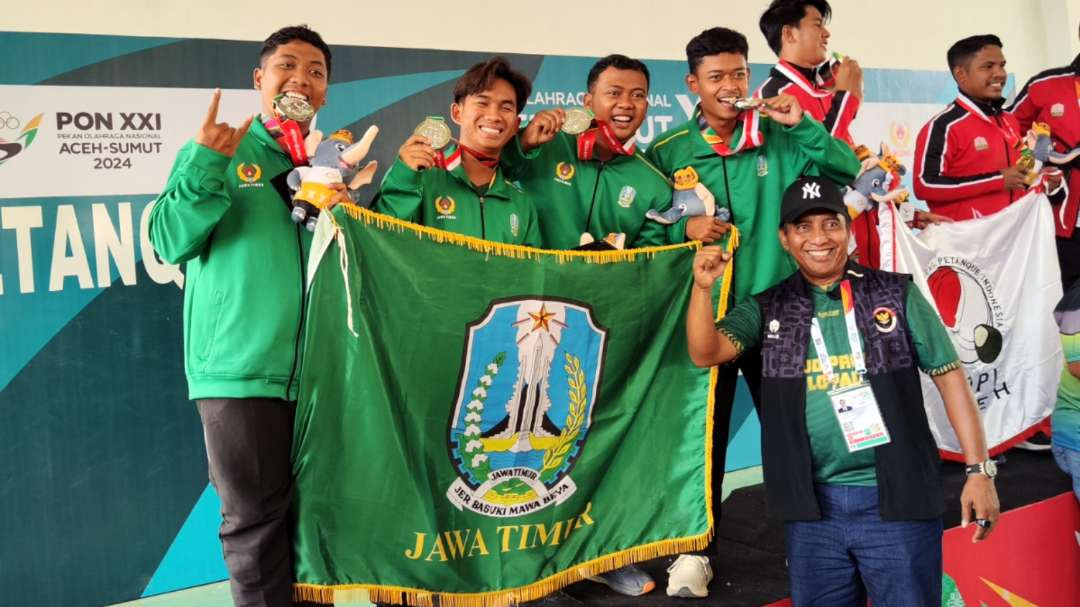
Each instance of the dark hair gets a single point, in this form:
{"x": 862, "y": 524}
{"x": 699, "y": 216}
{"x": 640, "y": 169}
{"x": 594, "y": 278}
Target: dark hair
{"x": 963, "y": 50}
{"x": 714, "y": 41}
{"x": 787, "y": 12}
{"x": 619, "y": 62}
{"x": 287, "y": 34}
{"x": 481, "y": 77}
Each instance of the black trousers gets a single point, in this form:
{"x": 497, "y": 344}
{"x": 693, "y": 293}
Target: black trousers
{"x": 1068, "y": 250}
{"x": 248, "y": 448}
{"x": 726, "y": 382}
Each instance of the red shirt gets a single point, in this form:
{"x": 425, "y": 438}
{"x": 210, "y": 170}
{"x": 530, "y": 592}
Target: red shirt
{"x": 834, "y": 109}
{"x": 958, "y": 158}
{"x": 1053, "y": 97}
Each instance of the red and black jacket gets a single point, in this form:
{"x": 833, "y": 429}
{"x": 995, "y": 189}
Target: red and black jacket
{"x": 959, "y": 155}
{"x": 836, "y": 110}
{"x": 1053, "y": 97}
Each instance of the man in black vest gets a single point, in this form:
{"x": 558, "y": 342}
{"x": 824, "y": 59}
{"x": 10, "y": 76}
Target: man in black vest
{"x": 850, "y": 463}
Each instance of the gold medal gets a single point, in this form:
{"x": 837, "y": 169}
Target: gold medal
{"x": 578, "y": 120}
{"x": 436, "y": 130}
{"x": 294, "y": 106}
{"x": 747, "y": 103}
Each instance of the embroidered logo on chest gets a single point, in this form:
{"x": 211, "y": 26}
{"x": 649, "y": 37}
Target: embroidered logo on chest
{"x": 249, "y": 175}
{"x": 445, "y": 206}
{"x": 980, "y": 144}
{"x": 564, "y": 172}
{"x": 884, "y": 319}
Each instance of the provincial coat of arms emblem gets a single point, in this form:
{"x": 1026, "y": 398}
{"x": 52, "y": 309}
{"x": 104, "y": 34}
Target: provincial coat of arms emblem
{"x": 524, "y": 403}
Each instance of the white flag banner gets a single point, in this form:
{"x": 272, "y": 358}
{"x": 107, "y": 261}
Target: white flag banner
{"x": 995, "y": 282}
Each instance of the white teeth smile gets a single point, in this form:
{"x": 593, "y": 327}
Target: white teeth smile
{"x": 622, "y": 119}
{"x": 490, "y": 130}
{"x": 819, "y": 255}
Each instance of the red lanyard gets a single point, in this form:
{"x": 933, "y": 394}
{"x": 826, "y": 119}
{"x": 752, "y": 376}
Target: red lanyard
{"x": 290, "y": 138}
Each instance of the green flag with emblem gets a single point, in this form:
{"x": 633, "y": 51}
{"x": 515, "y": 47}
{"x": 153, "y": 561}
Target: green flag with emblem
{"x": 486, "y": 423}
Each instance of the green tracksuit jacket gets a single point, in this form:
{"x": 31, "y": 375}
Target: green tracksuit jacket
{"x": 445, "y": 199}
{"x": 751, "y": 183}
{"x": 244, "y": 272}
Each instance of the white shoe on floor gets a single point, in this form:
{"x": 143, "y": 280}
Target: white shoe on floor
{"x": 689, "y": 577}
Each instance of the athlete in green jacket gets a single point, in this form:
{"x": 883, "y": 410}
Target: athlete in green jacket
{"x": 595, "y": 183}
{"x": 462, "y": 189}
{"x": 244, "y": 272}
{"x": 746, "y": 158}
{"x": 761, "y": 154}
{"x": 221, "y": 215}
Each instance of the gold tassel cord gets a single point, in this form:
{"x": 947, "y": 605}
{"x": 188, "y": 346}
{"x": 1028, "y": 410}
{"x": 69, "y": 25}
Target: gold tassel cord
{"x": 488, "y": 247}
{"x": 729, "y": 270}
{"x": 415, "y": 597}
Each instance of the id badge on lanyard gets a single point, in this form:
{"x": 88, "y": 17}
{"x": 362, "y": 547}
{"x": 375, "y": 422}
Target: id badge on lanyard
{"x": 855, "y": 407}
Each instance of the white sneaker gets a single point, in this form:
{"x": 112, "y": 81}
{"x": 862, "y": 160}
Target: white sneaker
{"x": 689, "y": 577}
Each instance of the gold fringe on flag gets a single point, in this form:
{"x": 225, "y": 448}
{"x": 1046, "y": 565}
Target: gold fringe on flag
{"x": 488, "y": 247}
{"x": 397, "y": 595}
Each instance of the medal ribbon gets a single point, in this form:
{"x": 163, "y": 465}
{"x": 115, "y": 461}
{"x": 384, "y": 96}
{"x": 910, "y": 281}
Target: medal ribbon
{"x": 586, "y": 142}
{"x": 747, "y": 138}
{"x": 448, "y": 162}
{"x": 853, "y": 338}
{"x": 485, "y": 160}
{"x": 290, "y": 138}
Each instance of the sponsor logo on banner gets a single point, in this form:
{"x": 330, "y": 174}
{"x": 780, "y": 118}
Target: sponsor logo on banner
{"x": 900, "y": 137}
{"x": 523, "y": 412}
{"x": 564, "y": 172}
{"x": 21, "y": 136}
{"x": 109, "y": 140}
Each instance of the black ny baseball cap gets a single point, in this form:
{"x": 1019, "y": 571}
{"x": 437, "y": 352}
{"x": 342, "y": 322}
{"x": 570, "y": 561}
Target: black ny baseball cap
{"x": 810, "y": 194}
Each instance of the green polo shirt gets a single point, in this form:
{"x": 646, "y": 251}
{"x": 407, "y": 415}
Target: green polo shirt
{"x": 833, "y": 464}
{"x": 751, "y": 183}
{"x": 573, "y": 196}
{"x": 448, "y": 201}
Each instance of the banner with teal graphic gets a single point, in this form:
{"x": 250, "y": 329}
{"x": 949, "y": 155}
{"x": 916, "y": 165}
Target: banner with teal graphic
{"x": 106, "y": 473}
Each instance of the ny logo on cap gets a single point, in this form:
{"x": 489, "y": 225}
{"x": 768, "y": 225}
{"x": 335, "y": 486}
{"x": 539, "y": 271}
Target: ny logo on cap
{"x": 811, "y": 190}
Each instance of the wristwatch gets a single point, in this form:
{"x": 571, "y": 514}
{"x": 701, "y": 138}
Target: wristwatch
{"x": 989, "y": 468}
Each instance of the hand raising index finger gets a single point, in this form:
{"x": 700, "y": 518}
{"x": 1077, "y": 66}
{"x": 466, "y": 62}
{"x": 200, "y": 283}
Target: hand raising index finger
{"x": 211, "y": 112}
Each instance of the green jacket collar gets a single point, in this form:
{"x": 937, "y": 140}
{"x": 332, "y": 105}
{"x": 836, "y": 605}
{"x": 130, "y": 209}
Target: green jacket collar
{"x": 500, "y": 188}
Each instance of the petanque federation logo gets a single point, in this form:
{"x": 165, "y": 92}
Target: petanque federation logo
{"x": 22, "y": 134}
{"x": 524, "y": 405}
{"x": 969, "y": 308}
